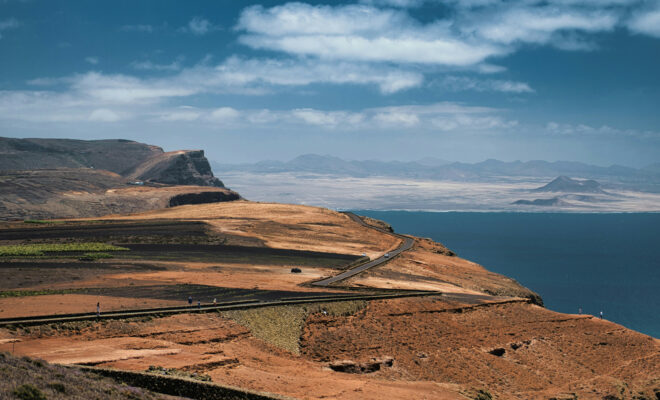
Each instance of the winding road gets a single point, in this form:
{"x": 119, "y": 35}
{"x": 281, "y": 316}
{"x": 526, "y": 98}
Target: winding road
{"x": 406, "y": 245}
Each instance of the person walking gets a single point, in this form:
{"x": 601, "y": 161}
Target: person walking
{"x": 601, "y": 315}
{"x": 580, "y": 310}
{"x": 199, "y": 304}
{"x": 98, "y": 309}
{"x": 215, "y": 301}
{"x": 190, "y": 301}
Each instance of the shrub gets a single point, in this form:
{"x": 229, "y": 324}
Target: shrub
{"x": 29, "y": 392}
{"x": 57, "y": 386}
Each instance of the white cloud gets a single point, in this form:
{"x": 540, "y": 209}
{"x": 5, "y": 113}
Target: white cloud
{"x": 184, "y": 113}
{"x": 240, "y": 72}
{"x": 358, "y": 33}
{"x": 459, "y": 83}
{"x": 382, "y": 31}
{"x": 92, "y": 60}
{"x": 199, "y": 26}
{"x": 126, "y": 89}
{"x": 646, "y": 22}
{"x": 444, "y": 117}
{"x": 537, "y": 24}
{"x": 104, "y": 115}
{"x": 556, "y": 128}
{"x": 396, "y": 119}
{"x": 224, "y": 114}
{"x": 327, "y": 118}
{"x": 147, "y": 65}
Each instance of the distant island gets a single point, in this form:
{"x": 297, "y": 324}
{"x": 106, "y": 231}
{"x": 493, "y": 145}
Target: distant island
{"x": 555, "y": 201}
{"x": 439, "y": 185}
{"x": 578, "y": 190}
{"x": 565, "y": 184}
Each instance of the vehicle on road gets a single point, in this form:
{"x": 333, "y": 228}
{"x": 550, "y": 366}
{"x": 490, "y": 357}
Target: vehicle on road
{"x": 387, "y": 255}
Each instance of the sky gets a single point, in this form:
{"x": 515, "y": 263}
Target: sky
{"x": 246, "y": 81}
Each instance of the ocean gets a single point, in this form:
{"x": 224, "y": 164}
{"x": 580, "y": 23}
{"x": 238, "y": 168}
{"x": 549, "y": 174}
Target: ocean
{"x": 597, "y": 262}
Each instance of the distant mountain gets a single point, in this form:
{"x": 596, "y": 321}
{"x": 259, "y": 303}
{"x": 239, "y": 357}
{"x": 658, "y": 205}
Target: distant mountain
{"x": 432, "y": 162}
{"x": 564, "y": 184}
{"x": 554, "y": 202}
{"x": 653, "y": 168}
{"x": 646, "y": 179}
{"x": 314, "y": 163}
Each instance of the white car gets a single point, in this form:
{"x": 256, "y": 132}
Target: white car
{"x": 387, "y": 255}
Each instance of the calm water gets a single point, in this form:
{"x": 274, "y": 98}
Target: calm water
{"x": 608, "y": 262}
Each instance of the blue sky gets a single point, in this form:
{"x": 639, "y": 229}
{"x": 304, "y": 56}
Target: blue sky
{"x": 375, "y": 79}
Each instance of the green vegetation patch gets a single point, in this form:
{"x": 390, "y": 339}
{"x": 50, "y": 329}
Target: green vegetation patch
{"x": 42, "y": 222}
{"x": 177, "y": 373}
{"x": 29, "y": 392}
{"x": 282, "y": 326}
{"x": 31, "y": 250}
{"x": 44, "y": 292}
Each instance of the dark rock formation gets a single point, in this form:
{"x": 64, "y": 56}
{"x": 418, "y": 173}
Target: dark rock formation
{"x": 555, "y": 201}
{"x": 353, "y": 367}
{"x": 202, "y": 198}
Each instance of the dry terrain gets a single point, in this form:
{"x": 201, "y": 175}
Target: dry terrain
{"x": 481, "y": 336}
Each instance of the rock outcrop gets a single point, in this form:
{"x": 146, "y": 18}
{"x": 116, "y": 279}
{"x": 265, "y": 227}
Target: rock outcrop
{"x": 184, "y": 167}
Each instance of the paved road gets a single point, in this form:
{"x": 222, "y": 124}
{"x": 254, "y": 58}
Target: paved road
{"x": 406, "y": 245}
{"x": 234, "y": 305}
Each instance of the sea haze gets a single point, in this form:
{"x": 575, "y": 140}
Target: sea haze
{"x": 608, "y": 262}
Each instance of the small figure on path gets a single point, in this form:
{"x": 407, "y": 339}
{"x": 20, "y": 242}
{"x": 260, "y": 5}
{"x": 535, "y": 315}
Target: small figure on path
{"x": 98, "y": 309}
{"x": 199, "y": 304}
{"x": 580, "y": 310}
{"x": 215, "y": 301}
{"x": 190, "y": 301}
{"x": 601, "y": 315}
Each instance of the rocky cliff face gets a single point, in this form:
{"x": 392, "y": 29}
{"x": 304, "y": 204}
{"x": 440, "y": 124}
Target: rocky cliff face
{"x": 132, "y": 160}
{"x": 185, "y": 167}
{"x": 63, "y": 178}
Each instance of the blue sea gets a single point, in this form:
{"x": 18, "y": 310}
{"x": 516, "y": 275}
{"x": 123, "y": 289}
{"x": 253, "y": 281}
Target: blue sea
{"x": 599, "y": 262}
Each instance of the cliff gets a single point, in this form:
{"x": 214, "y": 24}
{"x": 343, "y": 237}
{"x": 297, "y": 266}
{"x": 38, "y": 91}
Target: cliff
{"x": 63, "y": 178}
{"x": 131, "y": 160}
{"x": 184, "y": 167}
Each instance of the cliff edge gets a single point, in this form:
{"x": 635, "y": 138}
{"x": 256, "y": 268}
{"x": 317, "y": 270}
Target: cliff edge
{"x": 132, "y": 160}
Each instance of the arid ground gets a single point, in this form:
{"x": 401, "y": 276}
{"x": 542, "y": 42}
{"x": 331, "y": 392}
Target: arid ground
{"x": 479, "y": 336}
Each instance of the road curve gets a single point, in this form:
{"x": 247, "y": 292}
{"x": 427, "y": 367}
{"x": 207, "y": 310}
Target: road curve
{"x": 406, "y": 245}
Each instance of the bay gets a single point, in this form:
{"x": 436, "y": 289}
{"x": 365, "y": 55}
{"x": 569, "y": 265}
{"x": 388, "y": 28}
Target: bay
{"x": 597, "y": 262}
